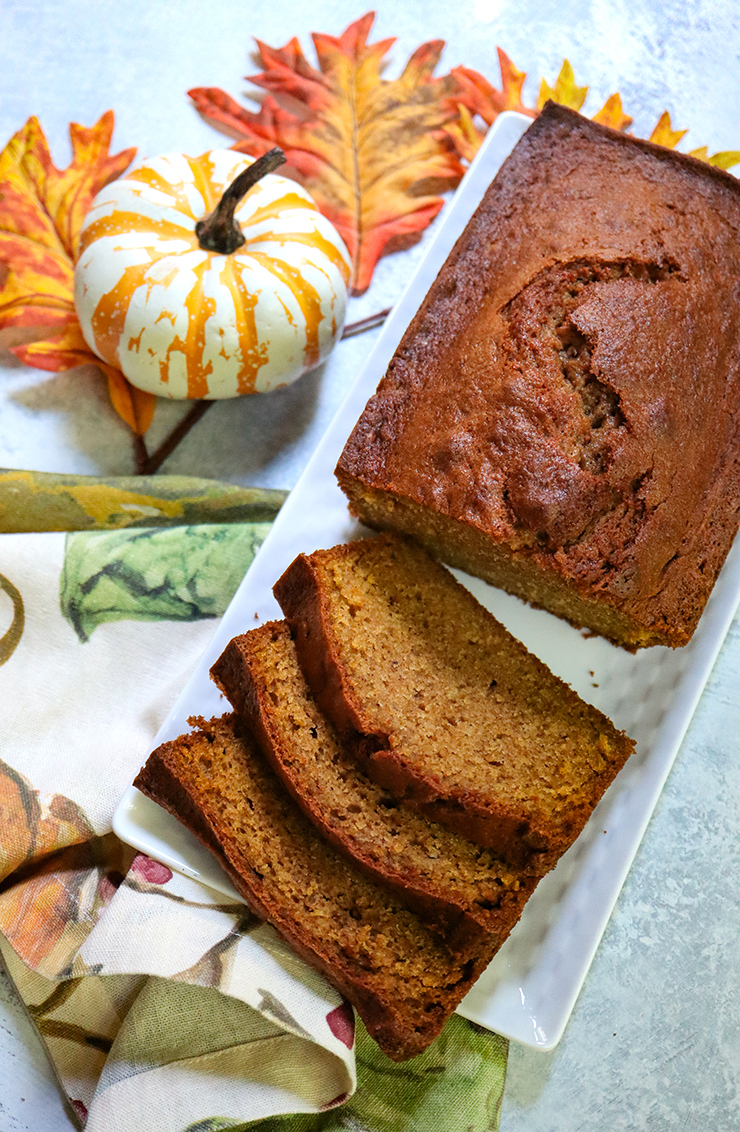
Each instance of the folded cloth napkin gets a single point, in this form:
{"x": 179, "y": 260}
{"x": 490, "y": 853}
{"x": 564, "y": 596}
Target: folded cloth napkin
{"x": 158, "y": 999}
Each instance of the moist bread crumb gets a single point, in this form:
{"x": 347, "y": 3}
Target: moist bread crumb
{"x": 562, "y": 416}
{"x": 402, "y": 979}
{"x": 457, "y": 718}
{"x": 461, "y": 888}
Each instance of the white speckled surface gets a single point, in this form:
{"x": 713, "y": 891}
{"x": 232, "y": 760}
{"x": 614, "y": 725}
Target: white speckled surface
{"x": 654, "y": 1041}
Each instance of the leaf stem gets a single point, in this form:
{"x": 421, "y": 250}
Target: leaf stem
{"x": 219, "y": 232}
{"x": 147, "y": 465}
{"x": 364, "y": 324}
{"x": 170, "y": 443}
{"x": 141, "y": 455}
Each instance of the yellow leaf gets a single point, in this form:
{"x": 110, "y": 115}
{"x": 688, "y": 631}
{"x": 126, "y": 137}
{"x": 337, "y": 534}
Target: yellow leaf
{"x": 612, "y": 114}
{"x": 724, "y": 160}
{"x": 664, "y": 134}
{"x": 565, "y": 92}
{"x": 702, "y": 153}
{"x": 41, "y": 210}
{"x": 464, "y": 133}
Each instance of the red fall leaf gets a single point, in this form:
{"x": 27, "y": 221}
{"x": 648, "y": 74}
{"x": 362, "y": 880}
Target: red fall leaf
{"x": 372, "y": 152}
{"x": 41, "y": 212}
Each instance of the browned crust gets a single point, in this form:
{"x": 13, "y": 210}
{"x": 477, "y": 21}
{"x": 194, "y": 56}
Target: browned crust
{"x": 299, "y": 595}
{"x": 554, "y": 112}
{"x": 666, "y": 611}
{"x": 159, "y": 780}
{"x": 533, "y": 844}
{"x": 239, "y": 677}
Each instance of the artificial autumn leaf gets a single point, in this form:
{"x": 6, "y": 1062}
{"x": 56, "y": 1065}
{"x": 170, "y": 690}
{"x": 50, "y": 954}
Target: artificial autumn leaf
{"x": 482, "y": 98}
{"x": 478, "y": 97}
{"x": 134, "y": 406}
{"x": 41, "y": 210}
{"x": 465, "y": 134}
{"x": 372, "y": 152}
{"x": 664, "y": 134}
{"x": 565, "y": 92}
{"x": 41, "y": 213}
{"x": 612, "y": 114}
{"x": 724, "y": 160}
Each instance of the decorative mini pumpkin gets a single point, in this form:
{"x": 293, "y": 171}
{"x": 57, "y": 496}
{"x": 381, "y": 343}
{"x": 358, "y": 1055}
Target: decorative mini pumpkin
{"x": 194, "y": 303}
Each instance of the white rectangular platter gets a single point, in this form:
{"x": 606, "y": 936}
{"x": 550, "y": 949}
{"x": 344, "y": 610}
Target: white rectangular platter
{"x": 529, "y": 989}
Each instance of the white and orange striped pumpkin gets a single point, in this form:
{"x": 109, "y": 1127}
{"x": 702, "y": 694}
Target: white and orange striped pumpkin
{"x": 184, "y": 322}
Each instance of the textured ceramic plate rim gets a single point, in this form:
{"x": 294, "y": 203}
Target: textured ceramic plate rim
{"x": 529, "y": 990}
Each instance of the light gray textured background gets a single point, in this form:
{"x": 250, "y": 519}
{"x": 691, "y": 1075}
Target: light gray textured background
{"x": 654, "y": 1041}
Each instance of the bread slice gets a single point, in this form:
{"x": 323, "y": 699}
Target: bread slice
{"x": 402, "y": 979}
{"x": 459, "y": 719}
{"x": 463, "y": 889}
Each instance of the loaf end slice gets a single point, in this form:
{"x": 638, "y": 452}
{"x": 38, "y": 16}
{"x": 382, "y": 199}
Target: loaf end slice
{"x": 402, "y": 979}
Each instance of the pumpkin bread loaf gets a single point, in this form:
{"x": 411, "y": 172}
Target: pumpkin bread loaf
{"x": 461, "y": 888}
{"x": 458, "y": 719}
{"x": 401, "y": 978}
{"x": 561, "y": 417}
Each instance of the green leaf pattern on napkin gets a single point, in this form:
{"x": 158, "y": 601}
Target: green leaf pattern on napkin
{"x": 11, "y": 637}
{"x": 213, "y": 1124}
{"x": 142, "y": 982}
{"x": 48, "y": 501}
{"x": 176, "y": 574}
{"x": 456, "y": 1083}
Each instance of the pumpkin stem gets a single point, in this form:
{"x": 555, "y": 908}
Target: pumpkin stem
{"x": 219, "y": 232}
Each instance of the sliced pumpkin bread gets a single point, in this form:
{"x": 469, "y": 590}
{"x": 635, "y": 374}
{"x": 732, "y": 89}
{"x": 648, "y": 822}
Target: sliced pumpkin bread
{"x": 399, "y": 975}
{"x": 458, "y": 718}
{"x": 462, "y": 888}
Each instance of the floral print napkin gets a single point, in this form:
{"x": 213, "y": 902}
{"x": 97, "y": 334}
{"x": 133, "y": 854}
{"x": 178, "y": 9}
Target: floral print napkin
{"x": 159, "y": 1001}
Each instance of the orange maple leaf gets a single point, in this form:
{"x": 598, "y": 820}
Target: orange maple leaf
{"x": 482, "y": 98}
{"x": 41, "y": 213}
{"x": 478, "y": 97}
{"x": 372, "y": 152}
